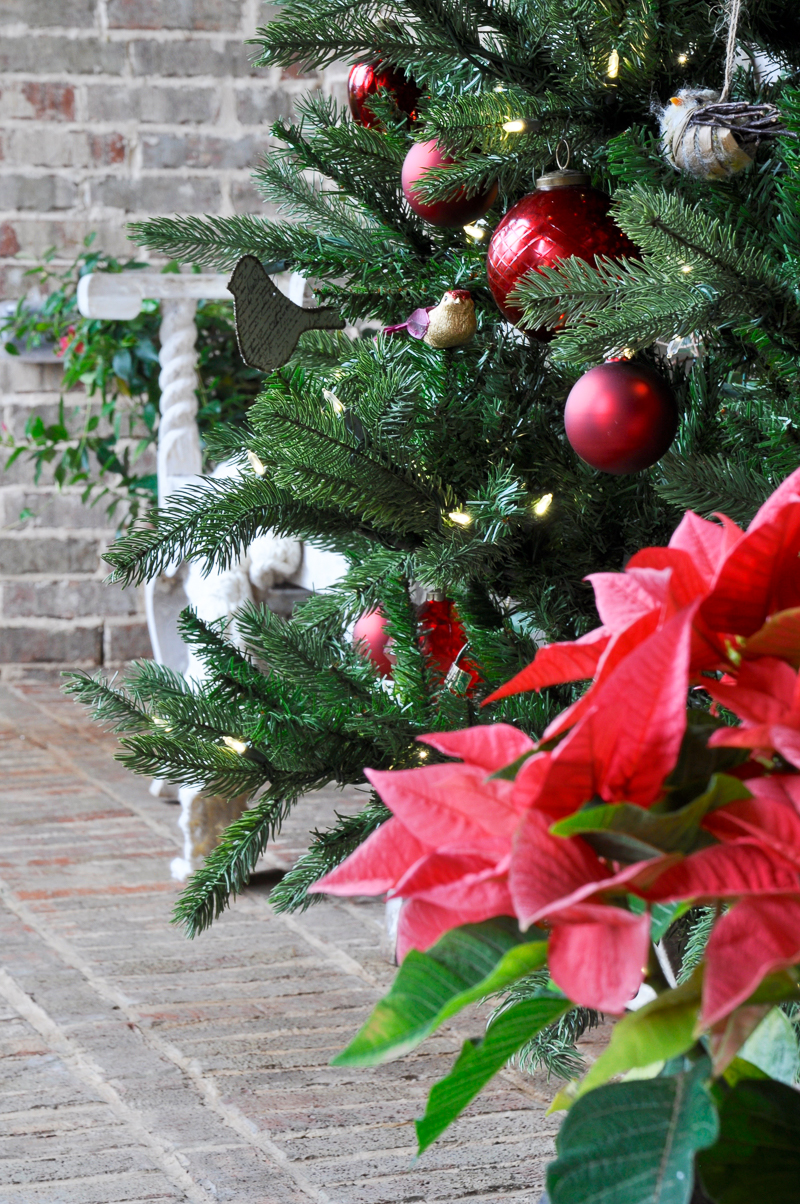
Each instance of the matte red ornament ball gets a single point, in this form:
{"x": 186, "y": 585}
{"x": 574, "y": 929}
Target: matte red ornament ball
{"x": 442, "y": 638}
{"x": 366, "y": 79}
{"x": 551, "y": 224}
{"x": 621, "y": 417}
{"x": 370, "y": 631}
{"x": 456, "y": 212}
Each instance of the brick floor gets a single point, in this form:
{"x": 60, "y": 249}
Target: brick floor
{"x": 138, "y": 1066}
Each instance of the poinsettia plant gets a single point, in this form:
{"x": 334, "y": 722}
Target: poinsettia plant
{"x": 671, "y": 786}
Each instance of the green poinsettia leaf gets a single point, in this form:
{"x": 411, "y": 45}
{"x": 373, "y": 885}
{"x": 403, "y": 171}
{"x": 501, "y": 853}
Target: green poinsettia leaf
{"x": 662, "y": 915}
{"x": 772, "y": 1047}
{"x": 480, "y": 1060}
{"x": 696, "y": 761}
{"x": 757, "y": 1156}
{"x": 662, "y": 1029}
{"x": 463, "y": 966}
{"x": 634, "y": 1143}
{"x": 625, "y": 832}
{"x": 779, "y": 636}
{"x": 779, "y": 987}
{"x": 740, "y": 1069}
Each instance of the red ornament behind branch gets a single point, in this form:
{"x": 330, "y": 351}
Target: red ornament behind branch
{"x": 565, "y": 216}
{"x": 458, "y": 211}
{"x": 443, "y": 642}
{"x": 371, "y": 636}
{"x": 367, "y": 79}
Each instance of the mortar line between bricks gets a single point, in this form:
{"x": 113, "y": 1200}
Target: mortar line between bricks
{"x": 206, "y": 1088}
{"x": 64, "y": 759}
{"x": 338, "y": 956}
{"x": 86, "y": 1069}
{"x": 342, "y": 960}
{"x": 123, "y": 34}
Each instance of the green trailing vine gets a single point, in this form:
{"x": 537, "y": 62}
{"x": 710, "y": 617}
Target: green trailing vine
{"x": 100, "y": 443}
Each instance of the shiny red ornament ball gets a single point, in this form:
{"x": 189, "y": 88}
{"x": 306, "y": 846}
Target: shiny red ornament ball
{"x": 621, "y": 417}
{"x": 456, "y": 212}
{"x": 370, "y": 631}
{"x": 442, "y": 638}
{"x": 366, "y": 79}
{"x": 554, "y": 222}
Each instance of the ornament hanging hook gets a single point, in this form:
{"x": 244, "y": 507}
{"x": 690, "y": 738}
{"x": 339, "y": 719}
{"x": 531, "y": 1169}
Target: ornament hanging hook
{"x": 565, "y": 154}
{"x": 733, "y": 10}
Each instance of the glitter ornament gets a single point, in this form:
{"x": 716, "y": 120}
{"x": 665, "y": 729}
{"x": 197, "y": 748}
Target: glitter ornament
{"x": 444, "y": 642}
{"x": 621, "y": 417}
{"x": 458, "y": 211}
{"x": 452, "y": 322}
{"x": 367, "y": 79}
{"x": 371, "y": 636}
{"x": 565, "y": 216}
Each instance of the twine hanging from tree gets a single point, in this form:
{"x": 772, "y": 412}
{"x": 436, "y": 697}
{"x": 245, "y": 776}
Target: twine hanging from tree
{"x": 734, "y": 8}
{"x": 710, "y": 136}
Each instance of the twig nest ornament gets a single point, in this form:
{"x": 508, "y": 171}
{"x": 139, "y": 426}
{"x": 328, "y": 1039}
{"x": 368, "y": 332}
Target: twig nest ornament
{"x": 698, "y": 135}
{"x": 452, "y": 322}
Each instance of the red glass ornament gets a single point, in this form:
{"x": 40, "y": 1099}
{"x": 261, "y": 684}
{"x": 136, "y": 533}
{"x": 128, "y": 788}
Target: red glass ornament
{"x": 456, "y": 212}
{"x": 442, "y": 638}
{"x": 370, "y": 630}
{"x": 564, "y": 216}
{"x": 621, "y": 417}
{"x": 365, "y": 79}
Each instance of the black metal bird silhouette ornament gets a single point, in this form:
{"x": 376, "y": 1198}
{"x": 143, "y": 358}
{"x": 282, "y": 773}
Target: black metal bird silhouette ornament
{"x": 268, "y": 324}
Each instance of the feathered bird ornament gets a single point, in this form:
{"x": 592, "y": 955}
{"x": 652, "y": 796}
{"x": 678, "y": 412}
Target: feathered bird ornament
{"x": 712, "y": 138}
{"x": 268, "y": 324}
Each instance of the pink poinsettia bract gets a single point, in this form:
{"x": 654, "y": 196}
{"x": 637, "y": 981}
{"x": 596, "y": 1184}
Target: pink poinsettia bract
{"x": 718, "y": 608}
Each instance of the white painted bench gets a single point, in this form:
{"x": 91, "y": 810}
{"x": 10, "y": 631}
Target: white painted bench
{"x": 119, "y": 296}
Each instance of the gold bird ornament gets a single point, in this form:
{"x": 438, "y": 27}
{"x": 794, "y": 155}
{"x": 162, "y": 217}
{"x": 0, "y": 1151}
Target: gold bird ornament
{"x": 452, "y": 322}
{"x": 711, "y": 138}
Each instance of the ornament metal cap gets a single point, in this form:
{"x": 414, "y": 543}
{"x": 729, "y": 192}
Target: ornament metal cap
{"x": 563, "y": 178}
{"x": 457, "y": 680}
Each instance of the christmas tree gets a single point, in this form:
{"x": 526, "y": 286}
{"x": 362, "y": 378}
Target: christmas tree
{"x": 435, "y": 459}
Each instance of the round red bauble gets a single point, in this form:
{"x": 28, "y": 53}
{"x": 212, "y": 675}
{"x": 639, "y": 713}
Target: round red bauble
{"x": 365, "y": 79}
{"x": 442, "y": 639}
{"x": 456, "y": 212}
{"x": 565, "y": 216}
{"x": 621, "y": 417}
{"x": 370, "y": 630}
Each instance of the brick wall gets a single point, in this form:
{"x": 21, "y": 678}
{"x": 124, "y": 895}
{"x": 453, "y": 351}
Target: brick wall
{"x": 109, "y": 110}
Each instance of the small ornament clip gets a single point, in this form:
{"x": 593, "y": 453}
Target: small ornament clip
{"x": 457, "y": 681}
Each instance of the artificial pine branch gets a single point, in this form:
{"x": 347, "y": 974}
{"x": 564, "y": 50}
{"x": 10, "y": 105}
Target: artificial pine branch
{"x": 228, "y": 867}
{"x": 326, "y": 850}
{"x": 708, "y": 484}
{"x": 553, "y": 1049}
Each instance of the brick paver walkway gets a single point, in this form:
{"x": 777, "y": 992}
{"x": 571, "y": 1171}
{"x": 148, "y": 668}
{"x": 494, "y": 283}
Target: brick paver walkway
{"x": 138, "y": 1066}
